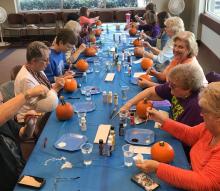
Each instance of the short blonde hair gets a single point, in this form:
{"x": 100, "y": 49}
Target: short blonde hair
{"x": 209, "y": 98}
{"x": 188, "y": 76}
{"x": 176, "y": 24}
{"x": 190, "y": 40}
{"x": 73, "y": 26}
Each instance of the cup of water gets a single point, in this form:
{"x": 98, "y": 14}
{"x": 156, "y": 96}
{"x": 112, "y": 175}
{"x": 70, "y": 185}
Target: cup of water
{"x": 123, "y": 117}
{"x": 88, "y": 93}
{"x": 128, "y": 152}
{"x": 124, "y": 92}
{"x": 96, "y": 66}
{"x": 86, "y": 150}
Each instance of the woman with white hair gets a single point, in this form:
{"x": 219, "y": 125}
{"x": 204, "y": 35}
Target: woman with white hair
{"x": 185, "y": 50}
{"x": 204, "y": 140}
{"x": 173, "y": 25}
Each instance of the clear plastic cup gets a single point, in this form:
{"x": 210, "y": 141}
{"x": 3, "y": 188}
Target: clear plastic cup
{"x": 88, "y": 94}
{"x": 86, "y": 150}
{"x": 124, "y": 92}
{"x": 96, "y": 66}
{"x": 123, "y": 117}
{"x": 128, "y": 153}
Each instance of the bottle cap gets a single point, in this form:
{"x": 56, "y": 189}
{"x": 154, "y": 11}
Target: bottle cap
{"x": 100, "y": 141}
{"x": 112, "y": 128}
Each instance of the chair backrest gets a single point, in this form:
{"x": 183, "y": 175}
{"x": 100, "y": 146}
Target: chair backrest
{"x": 32, "y": 18}
{"x": 212, "y": 77}
{"x": 14, "y": 71}
{"x": 15, "y": 19}
{"x": 48, "y": 18}
{"x": 7, "y": 90}
{"x": 106, "y": 16}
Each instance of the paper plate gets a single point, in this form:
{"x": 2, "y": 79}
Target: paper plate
{"x": 138, "y": 136}
{"x": 94, "y": 90}
{"x": 134, "y": 81}
{"x": 86, "y": 106}
{"x": 70, "y": 142}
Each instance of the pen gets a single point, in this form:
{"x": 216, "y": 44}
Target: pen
{"x": 45, "y": 142}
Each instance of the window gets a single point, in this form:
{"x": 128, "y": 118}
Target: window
{"x": 213, "y": 8}
{"x": 29, "y": 5}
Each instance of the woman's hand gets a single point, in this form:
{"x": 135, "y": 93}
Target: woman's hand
{"x": 146, "y": 44}
{"x": 38, "y": 91}
{"x": 82, "y": 48}
{"x": 126, "y": 107}
{"x": 148, "y": 166}
{"x": 156, "y": 115}
{"x": 153, "y": 72}
{"x": 143, "y": 83}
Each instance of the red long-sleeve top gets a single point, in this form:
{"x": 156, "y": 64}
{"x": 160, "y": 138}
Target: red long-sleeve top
{"x": 205, "y": 159}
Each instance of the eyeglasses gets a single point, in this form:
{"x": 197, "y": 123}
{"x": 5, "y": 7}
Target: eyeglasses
{"x": 172, "y": 85}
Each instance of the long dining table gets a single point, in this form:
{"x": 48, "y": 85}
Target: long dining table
{"x": 105, "y": 173}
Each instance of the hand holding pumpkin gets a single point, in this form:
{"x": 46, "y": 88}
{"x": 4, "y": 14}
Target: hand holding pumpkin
{"x": 147, "y": 166}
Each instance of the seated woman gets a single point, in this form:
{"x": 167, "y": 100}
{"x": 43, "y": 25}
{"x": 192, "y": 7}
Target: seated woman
{"x": 149, "y": 7}
{"x": 11, "y": 159}
{"x": 204, "y": 140}
{"x": 151, "y": 29}
{"x": 72, "y": 56}
{"x": 173, "y": 26}
{"x": 64, "y": 41}
{"x": 185, "y": 50}
{"x": 31, "y": 75}
{"x": 184, "y": 83}
{"x": 84, "y": 17}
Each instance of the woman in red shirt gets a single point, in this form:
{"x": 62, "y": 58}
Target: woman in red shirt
{"x": 84, "y": 17}
{"x": 204, "y": 140}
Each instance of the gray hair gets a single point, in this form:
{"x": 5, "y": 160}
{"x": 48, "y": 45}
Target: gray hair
{"x": 73, "y": 26}
{"x": 34, "y": 50}
{"x": 188, "y": 76}
{"x": 176, "y": 24}
{"x": 190, "y": 40}
{"x": 209, "y": 98}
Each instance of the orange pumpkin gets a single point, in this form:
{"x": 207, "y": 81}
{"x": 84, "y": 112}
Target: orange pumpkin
{"x": 162, "y": 152}
{"x": 141, "y": 108}
{"x": 64, "y": 110}
{"x": 138, "y": 51}
{"x": 90, "y": 51}
{"x": 146, "y": 77}
{"x": 82, "y": 65}
{"x": 132, "y": 31}
{"x": 146, "y": 63}
{"x": 70, "y": 85}
{"x": 137, "y": 42}
{"x": 92, "y": 38}
{"x": 98, "y": 32}
{"x": 98, "y": 23}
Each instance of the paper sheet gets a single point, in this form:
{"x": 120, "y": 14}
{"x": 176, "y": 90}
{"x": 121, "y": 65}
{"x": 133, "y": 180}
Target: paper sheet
{"x": 141, "y": 149}
{"x": 102, "y": 133}
{"x": 109, "y": 77}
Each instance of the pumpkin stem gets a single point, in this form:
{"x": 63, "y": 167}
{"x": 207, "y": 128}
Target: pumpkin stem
{"x": 145, "y": 100}
{"x": 62, "y": 100}
{"x": 161, "y": 143}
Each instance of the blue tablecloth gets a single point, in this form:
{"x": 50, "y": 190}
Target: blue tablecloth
{"x": 105, "y": 173}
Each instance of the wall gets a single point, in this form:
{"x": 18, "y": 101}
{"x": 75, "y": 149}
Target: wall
{"x": 8, "y": 5}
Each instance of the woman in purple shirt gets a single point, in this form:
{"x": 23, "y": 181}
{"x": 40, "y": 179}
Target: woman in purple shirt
{"x": 182, "y": 88}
